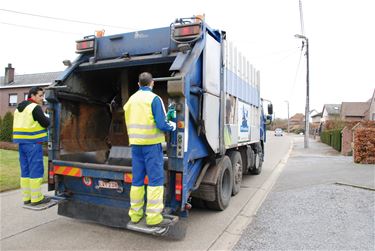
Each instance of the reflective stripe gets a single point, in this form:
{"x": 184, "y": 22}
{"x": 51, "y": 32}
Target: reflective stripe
{"x": 144, "y": 136}
{"x": 37, "y": 136}
{"x": 154, "y": 210}
{"x": 138, "y": 126}
{"x": 136, "y": 201}
{"x": 137, "y": 209}
{"x": 25, "y": 131}
{"x": 155, "y": 202}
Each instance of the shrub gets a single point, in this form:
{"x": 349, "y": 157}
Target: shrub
{"x": 6, "y": 129}
{"x": 364, "y": 145}
{"x": 332, "y": 138}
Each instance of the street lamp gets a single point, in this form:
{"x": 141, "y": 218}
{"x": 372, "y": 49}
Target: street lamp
{"x": 288, "y": 113}
{"x": 307, "y": 109}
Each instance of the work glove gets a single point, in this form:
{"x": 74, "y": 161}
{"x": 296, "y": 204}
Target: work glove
{"x": 171, "y": 114}
{"x": 173, "y": 124}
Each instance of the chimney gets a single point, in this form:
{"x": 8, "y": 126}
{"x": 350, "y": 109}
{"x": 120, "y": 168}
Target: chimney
{"x": 9, "y": 74}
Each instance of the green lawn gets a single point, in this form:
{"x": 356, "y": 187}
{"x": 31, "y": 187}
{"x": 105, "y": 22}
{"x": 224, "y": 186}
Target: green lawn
{"x": 10, "y": 170}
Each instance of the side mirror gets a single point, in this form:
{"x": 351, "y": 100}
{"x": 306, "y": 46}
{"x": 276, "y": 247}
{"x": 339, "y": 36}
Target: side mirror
{"x": 270, "y": 109}
{"x": 268, "y": 119}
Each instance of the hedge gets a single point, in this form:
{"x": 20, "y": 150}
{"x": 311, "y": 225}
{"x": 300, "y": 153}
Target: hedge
{"x": 364, "y": 146}
{"x": 332, "y": 138}
{"x": 6, "y": 129}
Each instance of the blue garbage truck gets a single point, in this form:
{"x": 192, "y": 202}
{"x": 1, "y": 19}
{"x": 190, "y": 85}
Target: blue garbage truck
{"x": 211, "y": 86}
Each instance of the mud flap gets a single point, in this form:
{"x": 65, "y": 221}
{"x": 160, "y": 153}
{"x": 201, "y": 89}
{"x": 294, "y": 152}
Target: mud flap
{"x": 53, "y": 202}
{"x": 172, "y": 231}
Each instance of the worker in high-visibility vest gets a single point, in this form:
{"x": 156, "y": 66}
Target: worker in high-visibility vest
{"x": 30, "y": 131}
{"x": 145, "y": 120}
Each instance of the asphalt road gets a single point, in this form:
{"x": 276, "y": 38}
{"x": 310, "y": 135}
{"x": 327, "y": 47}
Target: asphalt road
{"x": 29, "y": 230}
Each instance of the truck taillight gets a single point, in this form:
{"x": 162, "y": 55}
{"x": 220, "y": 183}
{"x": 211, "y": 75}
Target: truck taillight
{"x": 187, "y": 30}
{"x": 85, "y": 45}
{"x": 51, "y": 177}
{"x": 51, "y": 173}
{"x": 178, "y": 186}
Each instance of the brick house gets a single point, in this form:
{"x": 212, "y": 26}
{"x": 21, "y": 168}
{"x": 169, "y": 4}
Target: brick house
{"x": 14, "y": 88}
{"x": 370, "y": 113}
{"x": 353, "y": 111}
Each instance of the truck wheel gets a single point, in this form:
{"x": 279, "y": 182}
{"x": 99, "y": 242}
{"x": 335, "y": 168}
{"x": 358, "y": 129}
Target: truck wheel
{"x": 223, "y": 187}
{"x": 235, "y": 158}
{"x": 256, "y": 169}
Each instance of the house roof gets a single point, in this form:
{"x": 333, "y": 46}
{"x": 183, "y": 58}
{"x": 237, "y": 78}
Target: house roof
{"x": 31, "y": 79}
{"x": 332, "y": 109}
{"x": 356, "y": 109}
{"x": 317, "y": 115}
{"x": 297, "y": 117}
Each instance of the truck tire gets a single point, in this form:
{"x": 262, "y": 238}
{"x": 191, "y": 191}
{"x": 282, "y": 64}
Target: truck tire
{"x": 235, "y": 158}
{"x": 256, "y": 169}
{"x": 223, "y": 187}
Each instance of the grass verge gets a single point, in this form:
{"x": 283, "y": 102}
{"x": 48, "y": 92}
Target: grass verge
{"x": 10, "y": 170}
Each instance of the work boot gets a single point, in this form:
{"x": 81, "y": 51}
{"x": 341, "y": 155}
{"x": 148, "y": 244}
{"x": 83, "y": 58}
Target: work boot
{"x": 44, "y": 200}
{"x": 163, "y": 223}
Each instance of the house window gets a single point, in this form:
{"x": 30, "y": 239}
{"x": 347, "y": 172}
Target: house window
{"x": 13, "y": 99}
{"x": 26, "y": 95}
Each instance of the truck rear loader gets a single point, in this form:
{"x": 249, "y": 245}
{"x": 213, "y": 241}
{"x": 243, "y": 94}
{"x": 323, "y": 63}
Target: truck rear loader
{"x": 220, "y": 133}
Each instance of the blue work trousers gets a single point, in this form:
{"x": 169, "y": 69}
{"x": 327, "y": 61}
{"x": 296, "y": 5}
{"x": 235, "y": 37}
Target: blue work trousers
{"x": 147, "y": 160}
{"x": 31, "y": 160}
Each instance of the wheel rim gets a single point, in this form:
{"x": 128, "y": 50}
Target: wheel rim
{"x": 226, "y": 191}
{"x": 257, "y": 161}
{"x": 237, "y": 172}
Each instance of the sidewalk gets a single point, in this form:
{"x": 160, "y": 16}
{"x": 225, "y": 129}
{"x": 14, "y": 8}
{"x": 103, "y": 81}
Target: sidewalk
{"x": 322, "y": 200}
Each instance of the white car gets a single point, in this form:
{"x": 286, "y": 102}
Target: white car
{"x": 279, "y": 132}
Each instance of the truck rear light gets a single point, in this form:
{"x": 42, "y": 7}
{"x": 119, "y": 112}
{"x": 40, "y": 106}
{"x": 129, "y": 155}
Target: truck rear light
{"x": 187, "y": 30}
{"x": 51, "y": 173}
{"x": 178, "y": 187}
{"x": 85, "y": 45}
{"x": 128, "y": 177}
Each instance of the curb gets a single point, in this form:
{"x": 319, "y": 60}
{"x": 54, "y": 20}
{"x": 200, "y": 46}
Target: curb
{"x": 231, "y": 235}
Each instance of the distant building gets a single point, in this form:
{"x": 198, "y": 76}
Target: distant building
{"x": 370, "y": 113}
{"x": 297, "y": 122}
{"x": 353, "y": 111}
{"x": 330, "y": 112}
{"x": 14, "y": 88}
{"x": 315, "y": 120}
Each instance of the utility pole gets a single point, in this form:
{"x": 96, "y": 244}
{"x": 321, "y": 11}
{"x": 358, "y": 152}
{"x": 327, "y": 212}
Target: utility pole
{"x": 288, "y": 113}
{"x": 307, "y": 108}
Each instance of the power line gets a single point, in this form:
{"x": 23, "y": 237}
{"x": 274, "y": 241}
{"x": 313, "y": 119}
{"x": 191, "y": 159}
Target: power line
{"x": 297, "y": 70}
{"x": 66, "y": 20}
{"x": 42, "y": 29}
{"x": 301, "y": 18}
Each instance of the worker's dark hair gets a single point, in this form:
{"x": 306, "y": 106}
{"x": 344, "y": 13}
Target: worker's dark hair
{"x": 34, "y": 90}
{"x": 145, "y": 78}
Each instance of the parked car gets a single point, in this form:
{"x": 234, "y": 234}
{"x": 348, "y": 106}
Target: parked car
{"x": 279, "y": 132}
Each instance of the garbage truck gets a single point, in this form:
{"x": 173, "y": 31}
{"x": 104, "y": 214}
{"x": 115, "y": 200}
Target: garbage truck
{"x": 220, "y": 135}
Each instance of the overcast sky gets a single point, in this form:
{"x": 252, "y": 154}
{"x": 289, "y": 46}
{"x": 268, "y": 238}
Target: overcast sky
{"x": 341, "y": 37}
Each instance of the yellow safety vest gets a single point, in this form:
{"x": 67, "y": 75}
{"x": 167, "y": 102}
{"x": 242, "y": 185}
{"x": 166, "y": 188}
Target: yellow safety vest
{"x": 26, "y": 129}
{"x": 140, "y": 121}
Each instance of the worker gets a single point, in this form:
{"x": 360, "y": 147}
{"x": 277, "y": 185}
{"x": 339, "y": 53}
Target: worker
{"x": 30, "y": 131}
{"x": 145, "y": 120}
